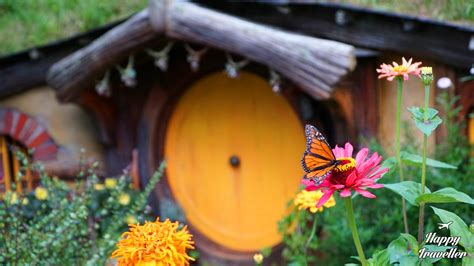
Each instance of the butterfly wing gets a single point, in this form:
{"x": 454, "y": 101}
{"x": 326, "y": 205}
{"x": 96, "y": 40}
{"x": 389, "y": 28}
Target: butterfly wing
{"x": 318, "y": 159}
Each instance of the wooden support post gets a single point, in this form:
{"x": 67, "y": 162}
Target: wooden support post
{"x": 5, "y": 164}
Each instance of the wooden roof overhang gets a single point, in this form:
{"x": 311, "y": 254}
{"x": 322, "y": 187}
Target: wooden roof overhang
{"x": 314, "y": 64}
{"x": 446, "y": 42}
{"x": 27, "y": 69}
{"x": 364, "y": 28}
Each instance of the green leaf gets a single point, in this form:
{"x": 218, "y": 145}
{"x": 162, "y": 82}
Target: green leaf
{"x": 419, "y": 112}
{"x": 431, "y": 113}
{"x": 468, "y": 261}
{"x": 407, "y": 189}
{"x": 409, "y": 260}
{"x": 266, "y": 251}
{"x": 296, "y": 263}
{"x": 457, "y": 228}
{"x": 431, "y": 123}
{"x": 194, "y": 254}
{"x": 396, "y": 249}
{"x": 426, "y": 262}
{"x": 433, "y": 248}
{"x": 381, "y": 258}
{"x": 416, "y": 159}
{"x": 412, "y": 241}
{"x": 416, "y": 112}
{"x": 389, "y": 162}
{"x": 445, "y": 195}
{"x": 429, "y": 126}
{"x": 355, "y": 257}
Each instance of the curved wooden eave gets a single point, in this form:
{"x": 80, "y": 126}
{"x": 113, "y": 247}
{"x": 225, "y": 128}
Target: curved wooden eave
{"x": 313, "y": 64}
{"x": 83, "y": 68}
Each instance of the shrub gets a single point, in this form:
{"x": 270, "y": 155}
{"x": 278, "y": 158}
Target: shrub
{"x": 69, "y": 224}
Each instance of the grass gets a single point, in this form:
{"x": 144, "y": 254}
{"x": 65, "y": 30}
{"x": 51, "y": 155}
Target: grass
{"x": 459, "y": 11}
{"x": 29, "y": 23}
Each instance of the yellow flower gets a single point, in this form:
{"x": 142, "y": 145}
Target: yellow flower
{"x": 427, "y": 70}
{"x": 110, "y": 183}
{"x": 41, "y": 193}
{"x": 131, "y": 219}
{"x": 154, "y": 243}
{"x": 98, "y": 187}
{"x": 13, "y": 198}
{"x": 258, "y": 258}
{"x": 25, "y": 201}
{"x": 124, "y": 199}
{"x": 308, "y": 200}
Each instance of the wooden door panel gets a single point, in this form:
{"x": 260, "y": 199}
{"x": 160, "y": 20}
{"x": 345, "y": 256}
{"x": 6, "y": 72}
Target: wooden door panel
{"x": 217, "y": 118}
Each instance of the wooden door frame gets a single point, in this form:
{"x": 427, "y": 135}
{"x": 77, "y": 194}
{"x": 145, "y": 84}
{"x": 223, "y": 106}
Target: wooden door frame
{"x": 158, "y": 109}
{"x": 163, "y": 97}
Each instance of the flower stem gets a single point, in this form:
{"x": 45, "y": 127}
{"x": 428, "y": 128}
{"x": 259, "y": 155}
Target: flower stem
{"x": 421, "y": 215}
{"x": 313, "y": 232}
{"x": 355, "y": 234}
{"x": 397, "y": 147}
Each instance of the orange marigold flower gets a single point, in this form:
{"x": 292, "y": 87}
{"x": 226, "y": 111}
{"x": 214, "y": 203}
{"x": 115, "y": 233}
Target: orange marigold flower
{"x": 154, "y": 243}
{"x": 395, "y": 70}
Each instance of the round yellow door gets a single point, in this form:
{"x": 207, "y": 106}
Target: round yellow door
{"x": 233, "y": 149}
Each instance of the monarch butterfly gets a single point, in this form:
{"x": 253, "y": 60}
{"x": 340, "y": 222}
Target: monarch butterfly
{"x": 318, "y": 159}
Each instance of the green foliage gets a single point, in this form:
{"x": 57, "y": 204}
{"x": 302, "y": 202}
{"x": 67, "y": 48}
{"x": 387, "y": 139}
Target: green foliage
{"x": 296, "y": 230}
{"x": 379, "y": 221}
{"x": 77, "y": 225}
{"x": 454, "y": 10}
{"x": 411, "y": 192}
{"x": 266, "y": 252}
{"x": 407, "y": 189}
{"x": 380, "y": 258}
{"x": 456, "y": 150}
{"x": 415, "y": 159}
{"x": 397, "y": 249}
{"x": 412, "y": 242}
{"x": 426, "y": 124}
{"x": 404, "y": 251}
{"x": 445, "y": 195}
{"x": 457, "y": 228}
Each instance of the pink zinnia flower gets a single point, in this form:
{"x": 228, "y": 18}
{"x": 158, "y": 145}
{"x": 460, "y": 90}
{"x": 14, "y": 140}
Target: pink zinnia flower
{"x": 351, "y": 174}
{"x": 403, "y": 70}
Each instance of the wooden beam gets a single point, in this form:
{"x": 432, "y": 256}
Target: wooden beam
{"x": 412, "y": 36}
{"x": 18, "y": 77}
{"x": 81, "y": 69}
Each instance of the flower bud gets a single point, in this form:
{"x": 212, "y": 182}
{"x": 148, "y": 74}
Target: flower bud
{"x": 426, "y": 75}
{"x": 258, "y": 258}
